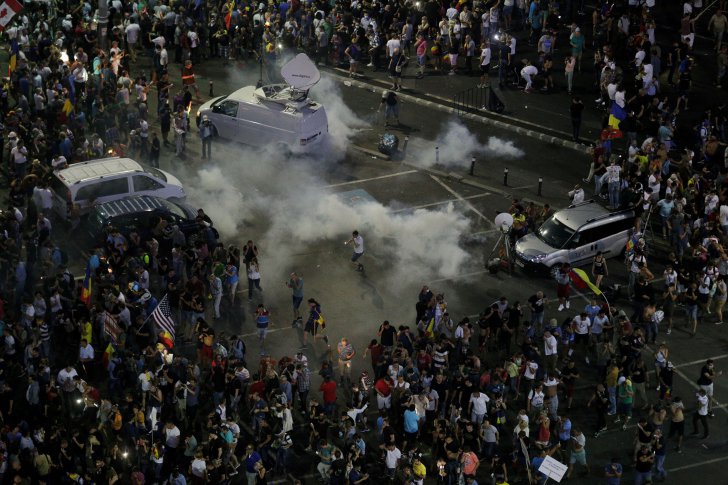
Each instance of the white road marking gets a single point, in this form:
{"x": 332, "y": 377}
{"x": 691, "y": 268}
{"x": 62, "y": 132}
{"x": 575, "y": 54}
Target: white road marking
{"x": 432, "y": 204}
{"x": 702, "y": 361}
{"x": 464, "y": 275}
{"x": 255, "y": 334}
{"x": 697, "y": 464}
{"x": 460, "y": 198}
{"x": 360, "y": 181}
{"x": 693, "y": 384}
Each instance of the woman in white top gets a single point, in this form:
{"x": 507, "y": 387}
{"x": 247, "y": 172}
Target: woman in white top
{"x": 253, "y": 277}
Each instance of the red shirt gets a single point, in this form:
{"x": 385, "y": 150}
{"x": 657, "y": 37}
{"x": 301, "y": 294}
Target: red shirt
{"x": 424, "y": 361}
{"x": 376, "y": 351}
{"x": 257, "y": 387}
{"x": 383, "y": 387}
{"x": 328, "y": 388}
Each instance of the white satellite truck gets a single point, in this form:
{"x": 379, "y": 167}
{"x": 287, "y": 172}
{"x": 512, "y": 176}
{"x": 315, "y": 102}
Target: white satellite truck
{"x": 271, "y": 114}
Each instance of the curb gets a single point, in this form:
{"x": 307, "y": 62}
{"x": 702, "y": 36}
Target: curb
{"x": 370, "y": 152}
{"x": 484, "y": 118}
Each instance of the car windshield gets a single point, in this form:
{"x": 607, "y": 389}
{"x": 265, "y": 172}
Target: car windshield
{"x": 155, "y": 172}
{"x": 219, "y": 100}
{"x": 554, "y": 233}
{"x": 174, "y": 209}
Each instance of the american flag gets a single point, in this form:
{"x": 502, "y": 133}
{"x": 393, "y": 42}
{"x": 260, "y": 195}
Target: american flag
{"x": 111, "y": 327}
{"x": 162, "y": 316}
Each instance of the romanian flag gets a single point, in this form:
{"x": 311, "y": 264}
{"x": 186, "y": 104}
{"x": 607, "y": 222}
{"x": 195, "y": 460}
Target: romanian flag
{"x": 108, "y": 355}
{"x": 166, "y": 339}
{"x": 580, "y": 279}
{"x": 87, "y": 284}
{"x": 12, "y": 62}
{"x": 229, "y": 16}
{"x": 617, "y": 114}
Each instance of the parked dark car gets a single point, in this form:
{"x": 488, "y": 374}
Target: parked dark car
{"x": 142, "y": 214}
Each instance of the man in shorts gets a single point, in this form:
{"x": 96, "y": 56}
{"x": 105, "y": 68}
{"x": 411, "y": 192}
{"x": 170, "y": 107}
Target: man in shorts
{"x": 563, "y": 286}
{"x": 578, "y": 452}
{"x": 705, "y": 381}
{"x": 358, "y": 243}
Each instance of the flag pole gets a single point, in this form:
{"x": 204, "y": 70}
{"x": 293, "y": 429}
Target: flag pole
{"x": 150, "y": 313}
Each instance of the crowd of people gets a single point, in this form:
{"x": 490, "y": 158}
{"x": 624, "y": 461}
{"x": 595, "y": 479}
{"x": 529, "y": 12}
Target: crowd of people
{"x": 445, "y": 399}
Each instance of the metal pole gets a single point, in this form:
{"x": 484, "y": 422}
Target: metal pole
{"x": 102, "y": 23}
{"x": 211, "y": 91}
{"x": 404, "y": 146}
{"x": 437, "y": 154}
{"x": 472, "y": 166}
{"x": 540, "y": 184}
{"x": 505, "y": 176}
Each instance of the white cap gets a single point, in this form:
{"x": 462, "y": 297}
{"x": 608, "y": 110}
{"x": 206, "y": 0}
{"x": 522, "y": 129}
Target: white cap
{"x": 621, "y": 380}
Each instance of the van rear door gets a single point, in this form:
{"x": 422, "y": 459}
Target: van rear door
{"x": 61, "y": 196}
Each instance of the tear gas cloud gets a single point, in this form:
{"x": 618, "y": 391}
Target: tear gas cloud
{"x": 457, "y": 145}
{"x": 280, "y": 202}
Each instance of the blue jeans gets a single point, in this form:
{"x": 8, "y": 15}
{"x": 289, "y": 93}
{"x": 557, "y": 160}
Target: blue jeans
{"x": 612, "y": 391}
{"x": 614, "y": 193}
{"x": 660, "y": 466}
{"x": 642, "y": 477}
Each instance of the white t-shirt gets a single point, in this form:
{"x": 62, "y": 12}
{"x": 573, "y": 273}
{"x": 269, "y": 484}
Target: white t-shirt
{"x": 703, "y": 405}
{"x": 86, "y": 352}
{"x": 723, "y": 215}
{"x": 392, "y": 44}
{"x": 65, "y": 378}
{"x": 198, "y": 467}
{"x": 550, "y": 345}
{"x": 530, "y": 371}
{"x": 392, "y": 456}
{"x": 613, "y": 173}
{"x": 480, "y": 403}
{"x": 581, "y": 325}
{"x": 359, "y": 244}
{"x": 132, "y": 33}
{"x": 485, "y": 56}
{"x": 172, "y": 437}
{"x": 536, "y": 398}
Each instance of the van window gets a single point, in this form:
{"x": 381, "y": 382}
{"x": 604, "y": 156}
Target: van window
{"x": 611, "y": 228}
{"x": 228, "y": 108}
{"x": 584, "y": 236}
{"x": 105, "y": 188}
{"x": 142, "y": 183}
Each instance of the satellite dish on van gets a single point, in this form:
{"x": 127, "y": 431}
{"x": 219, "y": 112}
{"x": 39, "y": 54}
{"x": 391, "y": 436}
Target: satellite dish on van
{"x": 301, "y": 73}
{"x": 504, "y": 221}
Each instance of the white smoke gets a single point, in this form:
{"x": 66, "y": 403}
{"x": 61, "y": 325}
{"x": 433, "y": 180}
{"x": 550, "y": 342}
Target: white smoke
{"x": 457, "y": 145}
{"x": 219, "y": 197}
{"x": 280, "y": 201}
{"x": 343, "y": 122}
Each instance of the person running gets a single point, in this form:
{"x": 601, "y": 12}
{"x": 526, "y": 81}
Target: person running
{"x": 316, "y": 324}
{"x": 358, "y": 241}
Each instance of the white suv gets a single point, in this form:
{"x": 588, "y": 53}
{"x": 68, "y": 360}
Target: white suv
{"x": 86, "y": 184}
